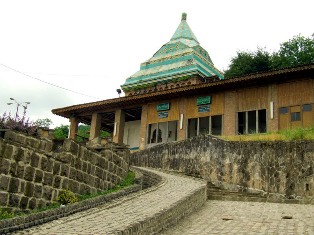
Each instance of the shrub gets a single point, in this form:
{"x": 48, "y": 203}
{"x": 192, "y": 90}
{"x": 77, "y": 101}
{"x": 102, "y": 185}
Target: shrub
{"x": 17, "y": 123}
{"x": 67, "y": 197}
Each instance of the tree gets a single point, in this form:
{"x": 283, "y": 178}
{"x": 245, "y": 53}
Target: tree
{"x": 297, "y": 51}
{"x": 45, "y": 122}
{"x": 61, "y": 132}
{"x": 246, "y": 62}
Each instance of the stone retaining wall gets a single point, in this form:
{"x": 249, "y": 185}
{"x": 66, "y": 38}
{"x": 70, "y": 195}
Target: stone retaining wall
{"x": 33, "y": 171}
{"x": 283, "y": 168}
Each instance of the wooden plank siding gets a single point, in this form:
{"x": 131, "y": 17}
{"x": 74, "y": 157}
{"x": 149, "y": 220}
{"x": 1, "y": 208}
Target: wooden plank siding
{"x": 254, "y": 98}
{"x": 295, "y": 93}
{"x": 173, "y": 113}
{"x": 216, "y": 106}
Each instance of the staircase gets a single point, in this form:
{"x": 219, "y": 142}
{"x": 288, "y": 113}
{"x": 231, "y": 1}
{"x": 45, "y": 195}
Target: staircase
{"x": 216, "y": 193}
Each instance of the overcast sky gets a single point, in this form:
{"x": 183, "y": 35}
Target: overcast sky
{"x": 91, "y": 47}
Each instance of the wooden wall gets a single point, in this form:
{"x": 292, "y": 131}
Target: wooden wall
{"x": 295, "y": 93}
{"x": 216, "y": 106}
{"x": 173, "y": 113}
{"x": 252, "y": 98}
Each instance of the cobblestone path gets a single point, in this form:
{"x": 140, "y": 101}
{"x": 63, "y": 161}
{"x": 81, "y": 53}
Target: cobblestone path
{"x": 234, "y": 217}
{"x": 120, "y": 214}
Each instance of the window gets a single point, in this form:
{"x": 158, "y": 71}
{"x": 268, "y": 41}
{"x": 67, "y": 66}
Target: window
{"x": 216, "y": 125}
{"x": 307, "y": 108}
{"x": 204, "y": 125}
{"x": 161, "y": 132}
{"x": 284, "y": 110}
{"x": 252, "y": 122}
{"x": 295, "y": 116}
{"x": 192, "y": 127}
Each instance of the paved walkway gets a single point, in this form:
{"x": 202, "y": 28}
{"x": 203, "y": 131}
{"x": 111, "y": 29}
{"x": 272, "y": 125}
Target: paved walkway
{"x": 234, "y": 217}
{"x": 120, "y": 214}
{"x": 215, "y": 217}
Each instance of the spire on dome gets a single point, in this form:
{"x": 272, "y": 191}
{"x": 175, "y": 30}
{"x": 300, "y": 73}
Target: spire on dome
{"x": 184, "y": 31}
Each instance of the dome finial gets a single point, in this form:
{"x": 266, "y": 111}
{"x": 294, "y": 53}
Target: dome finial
{"x": 183, "y": 16}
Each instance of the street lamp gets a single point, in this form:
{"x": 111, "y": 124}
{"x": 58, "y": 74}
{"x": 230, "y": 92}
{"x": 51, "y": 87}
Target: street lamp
{"x": 18, "y": 105}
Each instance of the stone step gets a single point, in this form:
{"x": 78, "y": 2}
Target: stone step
{"x": 217, "y": 193}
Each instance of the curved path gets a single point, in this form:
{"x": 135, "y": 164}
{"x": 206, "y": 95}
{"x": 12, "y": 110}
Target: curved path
{"x": 133, "y": 213}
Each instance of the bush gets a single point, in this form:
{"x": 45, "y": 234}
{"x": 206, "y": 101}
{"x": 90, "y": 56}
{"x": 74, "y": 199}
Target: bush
{"x": 5, "y": 214}
{"x": 67, "y": 197}
{"x": 17, "y": 123}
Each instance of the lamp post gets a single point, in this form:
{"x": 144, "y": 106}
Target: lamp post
{"x": 18, "y": 105}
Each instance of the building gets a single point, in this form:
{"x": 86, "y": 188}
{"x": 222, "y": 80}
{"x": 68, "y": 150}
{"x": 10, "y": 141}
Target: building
{"x": 178, "y": 94}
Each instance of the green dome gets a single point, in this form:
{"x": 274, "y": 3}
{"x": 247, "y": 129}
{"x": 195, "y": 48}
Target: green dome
{"x": 181, "y": 56}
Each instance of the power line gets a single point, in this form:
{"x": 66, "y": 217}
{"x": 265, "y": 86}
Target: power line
{"x": 51, "y": 84}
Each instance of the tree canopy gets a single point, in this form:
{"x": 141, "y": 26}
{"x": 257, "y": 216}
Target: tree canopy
{"x": 297, "y": 51}
{"x": 45, "y": 122}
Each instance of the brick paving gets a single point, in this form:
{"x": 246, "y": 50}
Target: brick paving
{"x": 215, "y": 217}
{"x": 235, "y": 217}
{"x": 122, "y": 213}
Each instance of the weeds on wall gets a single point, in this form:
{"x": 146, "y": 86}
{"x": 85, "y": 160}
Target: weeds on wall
{"x": 17, "y": 123}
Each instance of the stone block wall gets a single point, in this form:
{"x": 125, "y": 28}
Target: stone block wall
{"x": 283, "y": 168}
{"x": 34, "y": 171}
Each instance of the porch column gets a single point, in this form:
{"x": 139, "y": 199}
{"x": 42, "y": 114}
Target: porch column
{"x": 143, "y": 128}
{"x": 119, "y": 121}
{"x": 73, "y": 127}
{"x": 95, "y": 126}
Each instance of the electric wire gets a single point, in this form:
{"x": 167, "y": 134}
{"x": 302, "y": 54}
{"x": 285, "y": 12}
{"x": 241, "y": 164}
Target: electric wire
{"x": 51, "y": 84}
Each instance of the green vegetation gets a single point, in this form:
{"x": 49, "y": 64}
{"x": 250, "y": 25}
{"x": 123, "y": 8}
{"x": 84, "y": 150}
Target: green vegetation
{"x": 284, "y": 135}
{"x": 61, "y": 132}
{"x": 297, "y": 51}
{"x": 45, "y": 122}
{"x": 129, "y": 180}
{"x": 6, "y": 214}
{"x": 67, "y": 197}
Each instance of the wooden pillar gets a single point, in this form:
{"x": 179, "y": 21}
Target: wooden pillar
{"x": 118, "y": 126}
{"x": 143, "y": 128}
{"x": 95, "y": 126}
{"x": 73, "y": 127}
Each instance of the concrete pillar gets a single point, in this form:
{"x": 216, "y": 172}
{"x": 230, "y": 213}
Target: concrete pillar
{"x": 143, "y": 128}
{"x": 95, "y": 126}
{"x": 73, "y": 127}
{"x": 119, "y": 121}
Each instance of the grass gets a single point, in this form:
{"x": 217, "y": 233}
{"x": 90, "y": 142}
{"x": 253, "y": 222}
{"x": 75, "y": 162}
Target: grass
{"x": 129, "y": 180}
{"x": 284, "y": 135}
{"x": 7, "y": 213}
